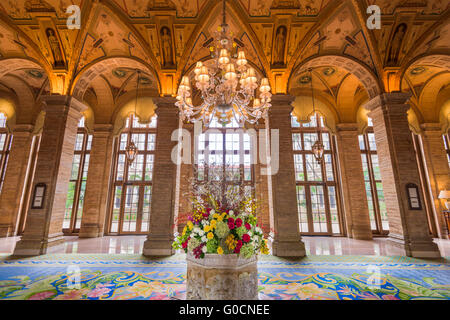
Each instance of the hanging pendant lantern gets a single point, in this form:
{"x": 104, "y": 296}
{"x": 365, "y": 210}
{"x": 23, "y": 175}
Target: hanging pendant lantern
{"x": 317, "y": 150}
{"x": 131, "y": 152}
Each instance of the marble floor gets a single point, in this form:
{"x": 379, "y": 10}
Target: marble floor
{"x": 314, "y": 246}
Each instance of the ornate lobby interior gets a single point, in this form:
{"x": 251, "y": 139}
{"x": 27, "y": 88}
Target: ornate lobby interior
{"x": 75, "y": 94}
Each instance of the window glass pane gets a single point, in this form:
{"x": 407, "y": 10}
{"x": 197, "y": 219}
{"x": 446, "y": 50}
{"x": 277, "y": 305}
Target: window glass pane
{"x": 120, "y": 167}
{"x": 135, "y": 170}
{"x": 123, "y": 141}
{"x": 373, "y": 224}
{"x": 365, "y": 167}
{"x": 247, "y": 144}
{"x": 302, "y": 209}
{"x": 297, "y": 141}
{"x": 139, "y": 140}
{"x": 298, "y": 165}
{"x": 369, "y": 122}
{"x": 326, "y": 141}
{"x": 372, "y": 144}
{"x": 329, "y": 167}
{"x": 232, "y": 141}
{"x": 318, "y": 209}
{"x": 79, "y": 142}
{"x": 294, "y": 122}
{"x": 69, "y": 205}
{"x": 215, "y": 142}
{"x": 130, "y": 209}
{"x": 85, "y": 167}
{"x": 89, "y": 142}
{"x": 335, "y": 227}
{"x": 382, "y": 205}
{"x": 116, "y": 209}
{"x": 376, "y": 167}
{"x": 362, "y": 144}
{"x": 312, "y": 123}
{"x": 149, "y": 167}
{"x": 309, "y": 139}
{"x": 151, "y": 141}
{"x": 81, "y": 123}
{"x": 146, "y": 209}
{"x": 232, "y": 167}
{"x": 80, "y": 205}
{"x": 75, "y": 167}
{"x": 153, "y": 122}
{"x": 247, "y": 168}
{"x": 313, "y": 169}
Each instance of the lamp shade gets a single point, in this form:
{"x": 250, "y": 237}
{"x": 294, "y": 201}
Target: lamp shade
{"x": 444, "y": 194}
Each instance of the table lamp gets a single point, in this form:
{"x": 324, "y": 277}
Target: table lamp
{"x": 445, "y": 194}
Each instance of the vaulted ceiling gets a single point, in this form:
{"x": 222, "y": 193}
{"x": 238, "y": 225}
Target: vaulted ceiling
{"x": 40, "y": 54}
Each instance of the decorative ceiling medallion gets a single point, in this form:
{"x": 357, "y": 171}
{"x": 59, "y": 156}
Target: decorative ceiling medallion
{"x": 145, "y": 80}
{"x": 119, "y": 73}
{"x": 304, "y": 79}
{"x": 34, "y": 73}
{"x": 418, "y": 70}
{"x": 329, "y": 71}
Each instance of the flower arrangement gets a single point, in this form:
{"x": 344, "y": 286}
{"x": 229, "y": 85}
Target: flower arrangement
{"x": 228, "y": 226}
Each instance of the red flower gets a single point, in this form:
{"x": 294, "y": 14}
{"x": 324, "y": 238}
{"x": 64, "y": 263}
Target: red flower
{"x": 248, "y": 226}
{"x": 231, "y": 225}
{"x": 230, "y": 220}
{"x": 239, "y": 244}
{"x": 184, "y": 244}
{"x": 246, "y": 238}
{"x": 238, "y": 222}
{"x": 208, "y": 210}
{"x": 237, "y": 250}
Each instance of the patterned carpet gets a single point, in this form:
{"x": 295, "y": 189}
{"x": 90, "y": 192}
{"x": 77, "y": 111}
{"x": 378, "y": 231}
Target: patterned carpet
{"x": 117, "y": 277}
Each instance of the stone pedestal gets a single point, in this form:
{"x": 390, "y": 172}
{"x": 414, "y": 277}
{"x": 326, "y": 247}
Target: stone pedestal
{"x": 285, "y": 235}
{"x": 14, "y": 180}
{"x": 43, "y": 227}
{"x": 353, "y": 186}
{"x": 221, "y": 277}
{"x": 408, "y": 228}
{"x": 161, "y": 233}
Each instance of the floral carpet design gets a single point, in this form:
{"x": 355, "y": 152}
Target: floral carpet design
{"x": 123, "y": 277}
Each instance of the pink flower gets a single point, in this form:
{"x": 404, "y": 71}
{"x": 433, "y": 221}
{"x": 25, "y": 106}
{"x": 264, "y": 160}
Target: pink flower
{"x": 99, "y": 291}
{"x": 42, "y": 295}
{"x": 238, "y": 222}
{"x": 246, "y": 238}
{"x": 248, "y": 226}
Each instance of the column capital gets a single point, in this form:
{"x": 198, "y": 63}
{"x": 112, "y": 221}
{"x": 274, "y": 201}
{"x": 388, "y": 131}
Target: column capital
{"x": 53, "y": 103}
{"x": 432, "y": 128}
{"x": 348, "y": 127}
{"x": 391, "y": 100}
{"x": 22, "y": 128}
{"x": 281, "y": 104}
{"x": 100, "y": 128}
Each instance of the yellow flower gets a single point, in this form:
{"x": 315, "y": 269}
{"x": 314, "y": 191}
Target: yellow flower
{"x": 190, "y": 225}
{"x": 213, "y": 223}
{"x": 219, "y": 250}
{"x": 206, "y": 228}
{"x": 210, "y": 235}
{"x": 219, "y": 218}
{"x": 216, "y": 215}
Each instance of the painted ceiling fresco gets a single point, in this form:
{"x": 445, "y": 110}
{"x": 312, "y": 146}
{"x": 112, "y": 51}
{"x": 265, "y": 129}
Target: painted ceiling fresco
{"x": 167, "y": 37}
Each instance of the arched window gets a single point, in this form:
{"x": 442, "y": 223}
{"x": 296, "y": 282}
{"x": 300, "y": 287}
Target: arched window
{"x": 5, "y": 145}
{"x": 225, "y": 151}
{"x": 372, "y": 178}
{"x": 132, "y": 186}
{"x": 316, "y": 183}
{"x": 77, "y": 183}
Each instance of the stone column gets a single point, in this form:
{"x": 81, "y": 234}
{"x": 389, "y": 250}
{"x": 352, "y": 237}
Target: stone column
{"x": 161, "y": 232}
{"x": 43, "y": 227}
{"x": 285, "y": 237}
{"x": 353, "y": 187}
{"x": 97, "y": 184}
{"x": 185, "y": 176}
{"x": 398, "y": 166}
{"x": 14, "y": 180}
{"x": 438, "y": 171}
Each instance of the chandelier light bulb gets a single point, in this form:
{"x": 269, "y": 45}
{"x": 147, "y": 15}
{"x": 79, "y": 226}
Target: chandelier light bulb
{"x": 224, "y": 57}
{"x": 256, "y": 103}
{"x": 241, "y": 61}
{"x": 265, "y": 87}
{"x": 230, "y": 72}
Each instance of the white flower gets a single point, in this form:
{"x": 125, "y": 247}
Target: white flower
{"x": 196, "y": 230}
{"x": 258, "y": 229}
{"x": 204, "y": 249}
{"x": 250, "y": 233}
{"x": 204, "y": 239}
{"x": 255, "y": 238}
{"x": 201, "y": 233}
{"x": 231, "y": 212}
{"x": 212, "y": 212}
{"x": 206, "y": 223}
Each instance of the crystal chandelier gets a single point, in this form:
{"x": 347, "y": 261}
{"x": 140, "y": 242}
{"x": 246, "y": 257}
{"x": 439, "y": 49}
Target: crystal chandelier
{"x": 131, "y": 150}
{"x": 317, "y": 147}
{"x": 227, "y": 86}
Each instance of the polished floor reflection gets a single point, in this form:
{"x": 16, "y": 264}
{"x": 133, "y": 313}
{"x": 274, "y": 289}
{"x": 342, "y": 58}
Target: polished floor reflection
{"x": 314, "y": 246}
